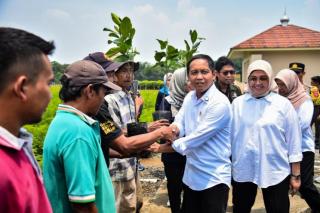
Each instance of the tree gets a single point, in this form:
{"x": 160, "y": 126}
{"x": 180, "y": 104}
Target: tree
{"x": 58, "y": 70}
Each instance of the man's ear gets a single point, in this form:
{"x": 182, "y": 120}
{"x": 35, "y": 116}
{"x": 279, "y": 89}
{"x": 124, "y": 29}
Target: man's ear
{"x": 88, "y": 91}
{"x": 20, "y": 87}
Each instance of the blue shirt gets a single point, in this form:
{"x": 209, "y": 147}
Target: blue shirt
{"x": 266, "y": 138}
{"x": 205, "y": 123}
{"x": 305, "y": 112}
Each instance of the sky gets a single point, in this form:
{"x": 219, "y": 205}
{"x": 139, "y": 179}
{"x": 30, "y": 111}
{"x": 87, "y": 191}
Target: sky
{"x": 76, "y": 25}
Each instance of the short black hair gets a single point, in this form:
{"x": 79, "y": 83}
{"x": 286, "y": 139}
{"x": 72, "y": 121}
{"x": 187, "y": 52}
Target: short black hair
{"x": 70, "y": 93}
{"x": 21, "y": 52}
{"x": 316, "y": 79}
{"x": 223, "y": 61}
{"x": 201, "y": 56}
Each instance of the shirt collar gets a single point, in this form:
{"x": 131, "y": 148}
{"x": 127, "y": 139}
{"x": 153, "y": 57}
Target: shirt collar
{"x": 206, "y": 96}
{"x": 9, "y": 140}
{"x": 83, "y": 116}
{"x": 267, "y": 98}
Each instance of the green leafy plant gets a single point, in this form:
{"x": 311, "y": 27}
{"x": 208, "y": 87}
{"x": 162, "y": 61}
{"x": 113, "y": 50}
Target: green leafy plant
{"x": 171, "y": 58}
{"x": 121, "y": 38}
{"x": 191, "y": 48}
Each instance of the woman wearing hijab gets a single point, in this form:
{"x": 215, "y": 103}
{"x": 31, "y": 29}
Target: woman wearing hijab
{"x": 163, "y": 92}
{"x": 266, "y": 144}
{"x": 174, "y": 163}
{"x": 290, "y": 87}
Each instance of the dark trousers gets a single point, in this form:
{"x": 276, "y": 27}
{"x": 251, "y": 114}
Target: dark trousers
{"x": 307, "y": 189}
{"x": 174, "y": 173}
{"x": 214, "y": 199}
{"x": 276, "y": 198}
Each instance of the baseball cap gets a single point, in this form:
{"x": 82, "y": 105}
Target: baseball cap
{"x": 114, "y": 66}
{"x": 100, "y": 58}
{"x": 84, "y": 72}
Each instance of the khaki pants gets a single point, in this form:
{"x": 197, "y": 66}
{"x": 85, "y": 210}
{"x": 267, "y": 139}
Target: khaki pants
{"x": 128, "y": 195}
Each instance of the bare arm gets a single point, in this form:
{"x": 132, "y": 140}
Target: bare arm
{"x": 126, "y": 145}
{"x": 84, "y": 207}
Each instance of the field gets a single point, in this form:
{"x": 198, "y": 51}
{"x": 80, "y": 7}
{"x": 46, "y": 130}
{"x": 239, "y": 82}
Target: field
{"x": 39, "y": 130}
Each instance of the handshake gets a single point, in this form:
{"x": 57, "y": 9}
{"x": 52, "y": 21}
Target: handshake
{"x": 167, "y": 134}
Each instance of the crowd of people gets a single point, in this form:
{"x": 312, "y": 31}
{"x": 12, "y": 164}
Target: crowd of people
{"x": 216, "y": 138}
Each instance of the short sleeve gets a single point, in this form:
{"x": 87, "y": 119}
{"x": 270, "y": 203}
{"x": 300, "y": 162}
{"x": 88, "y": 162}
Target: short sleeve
{"x": 79, "y": 160}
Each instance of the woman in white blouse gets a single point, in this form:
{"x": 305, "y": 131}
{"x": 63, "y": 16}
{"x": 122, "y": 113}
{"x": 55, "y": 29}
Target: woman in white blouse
{"x": 266, "y": 144}
{"x": 290, "y": 87}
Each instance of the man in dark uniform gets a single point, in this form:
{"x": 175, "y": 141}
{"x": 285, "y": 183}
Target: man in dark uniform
{"x": 225, "y": 78}
{"x": 298, "y": 68}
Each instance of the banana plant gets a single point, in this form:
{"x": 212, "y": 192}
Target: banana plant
{"x": 121, "y": 37}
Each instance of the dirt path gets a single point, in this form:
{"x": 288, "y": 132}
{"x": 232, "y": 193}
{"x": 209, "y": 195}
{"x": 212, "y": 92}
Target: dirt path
{"x": 155, "y": 193}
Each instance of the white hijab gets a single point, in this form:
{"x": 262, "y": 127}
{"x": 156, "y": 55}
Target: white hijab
{"x": 264, "y": 66}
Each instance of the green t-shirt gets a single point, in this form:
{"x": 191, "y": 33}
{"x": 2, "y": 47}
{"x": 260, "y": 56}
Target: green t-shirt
{"x": 74, "y": 168}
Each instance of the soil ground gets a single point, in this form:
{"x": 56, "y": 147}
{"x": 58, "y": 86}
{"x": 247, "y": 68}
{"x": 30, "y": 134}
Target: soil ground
{"x": 155, "y": 191}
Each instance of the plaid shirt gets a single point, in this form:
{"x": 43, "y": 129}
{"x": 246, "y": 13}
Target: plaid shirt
{"x": 122, "y": 110}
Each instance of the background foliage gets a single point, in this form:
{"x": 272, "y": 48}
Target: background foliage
{"x": 39, "y": 130}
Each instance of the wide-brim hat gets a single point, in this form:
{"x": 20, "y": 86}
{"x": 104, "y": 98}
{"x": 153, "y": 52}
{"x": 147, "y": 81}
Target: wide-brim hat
{"x": 114, "y": 66}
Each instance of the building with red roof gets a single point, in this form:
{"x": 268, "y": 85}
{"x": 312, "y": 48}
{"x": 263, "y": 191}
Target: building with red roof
{"x": 281, "y": 45}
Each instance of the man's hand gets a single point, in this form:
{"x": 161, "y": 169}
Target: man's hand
{"x": 161, "y": 148}
{"x": 294, "y": 185}
{"x": 168, "y": 133}
{"x": 157, "y": 124}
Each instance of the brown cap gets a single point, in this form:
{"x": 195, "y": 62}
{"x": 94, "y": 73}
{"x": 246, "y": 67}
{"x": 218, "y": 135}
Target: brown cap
{"x": 84, "y": 72}
{"x": 114, "y": 66}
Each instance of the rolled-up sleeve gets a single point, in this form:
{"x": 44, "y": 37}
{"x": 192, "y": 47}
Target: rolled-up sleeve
{"x": 293, "y": 135}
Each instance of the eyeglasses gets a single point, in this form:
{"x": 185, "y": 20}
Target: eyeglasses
{"x": 255, "y": 79}
{"x": 227, "y": 72}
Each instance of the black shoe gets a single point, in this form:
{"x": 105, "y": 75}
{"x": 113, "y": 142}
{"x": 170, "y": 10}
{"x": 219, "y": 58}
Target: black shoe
{"x": 140, "y": 167}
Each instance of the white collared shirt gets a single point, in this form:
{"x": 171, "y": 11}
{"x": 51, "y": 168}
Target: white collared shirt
{"x": 205, "y": 124}
{"x": 266, "y": 138}
{"x": 305, "y": 113}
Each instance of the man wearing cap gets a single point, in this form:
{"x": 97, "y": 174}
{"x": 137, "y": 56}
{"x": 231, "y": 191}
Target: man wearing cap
{"x": 75, "y": 174}
{"x": 225, "y": 78}
{"x": 298, "y": 68}
{"x": 122, "y": 109}
{"x": 112, "y": 137}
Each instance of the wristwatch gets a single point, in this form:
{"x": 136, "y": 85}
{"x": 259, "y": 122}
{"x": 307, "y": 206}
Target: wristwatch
{"x": 297, "y": 177}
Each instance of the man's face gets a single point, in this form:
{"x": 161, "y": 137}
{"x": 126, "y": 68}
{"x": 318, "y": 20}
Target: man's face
{"x": 124, "y": 76}
{"x": 300, "y": 74}
{"x": 282, "y": 88}
{"x": 258, "y": 83}
{"x": 226, "y": 75}
{"x": 200, "y": 76}
{"x": 96, "y": 100}
{"x": 39, "y": 93}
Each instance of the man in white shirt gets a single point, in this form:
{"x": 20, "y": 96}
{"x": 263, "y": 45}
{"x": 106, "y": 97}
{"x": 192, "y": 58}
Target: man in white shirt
{"x": 203, "y": 125}
{"x": 266, "y": 144}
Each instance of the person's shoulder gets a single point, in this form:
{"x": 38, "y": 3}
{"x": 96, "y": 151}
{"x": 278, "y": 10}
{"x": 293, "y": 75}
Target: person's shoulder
{"x": 235, "y": 88}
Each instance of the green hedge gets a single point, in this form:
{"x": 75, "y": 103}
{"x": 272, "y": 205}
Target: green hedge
{"x": 150, "y": 85}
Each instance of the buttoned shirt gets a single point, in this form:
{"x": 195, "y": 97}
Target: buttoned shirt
{"x": 305, "y": 112}
{"x": 266, "y": 138}
{"x": 122, "y": 110}
{"x": 205, "y": 123}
